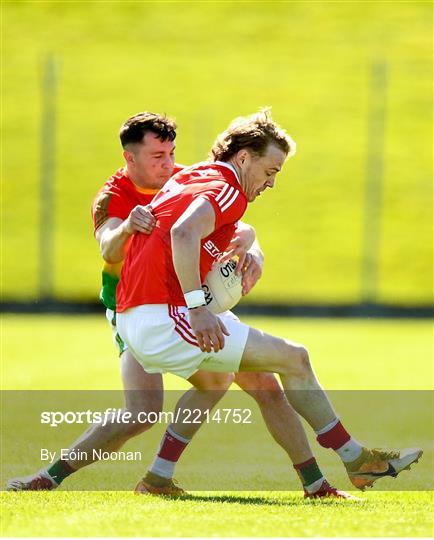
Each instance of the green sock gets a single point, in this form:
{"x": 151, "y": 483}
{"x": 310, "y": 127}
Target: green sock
{"x": 60, "y": 470}
{"x": 309, "y": 472}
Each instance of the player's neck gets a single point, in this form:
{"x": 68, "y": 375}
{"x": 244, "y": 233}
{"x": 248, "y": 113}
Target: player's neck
{"x": 136, "y": 179}
{"x": 237, "y": 171}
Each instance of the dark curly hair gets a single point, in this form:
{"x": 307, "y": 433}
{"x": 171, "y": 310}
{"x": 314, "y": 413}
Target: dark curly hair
{"x": 134, "y": 129}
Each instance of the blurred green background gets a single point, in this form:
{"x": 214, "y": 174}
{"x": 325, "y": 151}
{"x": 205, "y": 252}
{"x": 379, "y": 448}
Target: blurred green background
{"x": 205, "y": 63}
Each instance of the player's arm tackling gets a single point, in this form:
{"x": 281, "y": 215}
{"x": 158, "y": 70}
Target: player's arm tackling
{"x": 114, "y": 234}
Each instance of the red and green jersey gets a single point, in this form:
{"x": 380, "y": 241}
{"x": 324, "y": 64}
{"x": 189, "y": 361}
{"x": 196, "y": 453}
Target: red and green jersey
{"x": 117, "y": 197}
{"x": 148, "y": 275}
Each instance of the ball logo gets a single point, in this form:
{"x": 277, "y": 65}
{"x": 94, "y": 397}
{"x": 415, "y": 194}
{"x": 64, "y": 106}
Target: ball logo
{"x": 208, "y": 294}
{"x": 228, "y": 274}
{"x": 222, "y": 287}
{"x": 228, "y": 268}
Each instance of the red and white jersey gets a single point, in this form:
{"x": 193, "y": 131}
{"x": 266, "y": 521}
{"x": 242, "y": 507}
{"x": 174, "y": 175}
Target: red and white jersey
{"x": 148, "y": 275}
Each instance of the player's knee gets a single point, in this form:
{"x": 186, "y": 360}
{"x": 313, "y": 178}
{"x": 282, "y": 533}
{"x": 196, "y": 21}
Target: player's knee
{"x": 263, "y": 387}
{"x": 303, "y": 366}
{"x": 222, "y": 382}
{"x": 225, "y": 382}
{"x": 268, "y": 397}
{"x": 297, "y": 361}
{"x": 205, "y": 381}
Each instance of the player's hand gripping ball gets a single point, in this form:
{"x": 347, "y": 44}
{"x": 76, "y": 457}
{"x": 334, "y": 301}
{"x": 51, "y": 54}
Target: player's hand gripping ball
{"x": 222, "y": 287}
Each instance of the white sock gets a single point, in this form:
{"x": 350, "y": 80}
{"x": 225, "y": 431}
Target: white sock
{"x": 350, "y": 451}
{"x": 311, "y": 488}
{"x": 328, "y": 427}
{"x": 164, "y": 467}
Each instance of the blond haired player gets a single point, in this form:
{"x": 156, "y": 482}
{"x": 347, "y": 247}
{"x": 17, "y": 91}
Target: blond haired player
{"x": 161, "y": 309}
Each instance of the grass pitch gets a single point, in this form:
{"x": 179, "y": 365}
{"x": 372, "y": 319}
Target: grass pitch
{"x": 75, "y": 352}
{"x": 215, "y": 514}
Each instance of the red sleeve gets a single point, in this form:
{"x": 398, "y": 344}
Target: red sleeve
{"x": 228, "y": 201}
{"x": 107, "y": 204}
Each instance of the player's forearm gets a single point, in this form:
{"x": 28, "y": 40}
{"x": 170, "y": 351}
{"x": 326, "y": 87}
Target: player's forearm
{"x": 113, "y": 244}
{"x": 247, "y": 233}
{"x": 256, "y": 250}
{"x": 186, "y": 257}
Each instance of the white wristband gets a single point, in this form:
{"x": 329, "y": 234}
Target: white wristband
{"x": 195, "y": 298}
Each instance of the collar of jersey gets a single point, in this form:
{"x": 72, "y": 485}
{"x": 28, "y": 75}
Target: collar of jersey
{"x": 228, "y": 166}
{"x": 145, "y": 191}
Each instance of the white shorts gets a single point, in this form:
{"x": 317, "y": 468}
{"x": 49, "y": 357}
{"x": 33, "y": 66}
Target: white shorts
{"x": 161, "y": 339}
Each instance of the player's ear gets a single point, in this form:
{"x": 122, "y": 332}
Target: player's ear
{"x": 242, "y": 155}
{"x": 128, "y": 156}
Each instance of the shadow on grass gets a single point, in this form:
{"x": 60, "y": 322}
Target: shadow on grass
{"x": 237, "y": 499}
